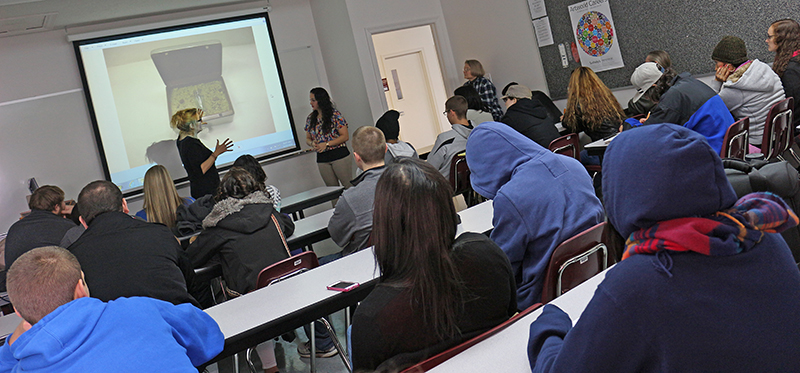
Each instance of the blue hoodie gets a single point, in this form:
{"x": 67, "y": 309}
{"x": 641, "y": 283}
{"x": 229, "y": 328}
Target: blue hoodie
{"x": 676, "y": 311}
{"x": 125, "y": 335}
{"x": 541, "y": 199}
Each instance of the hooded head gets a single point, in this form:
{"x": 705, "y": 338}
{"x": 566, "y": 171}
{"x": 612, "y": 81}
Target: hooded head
{"x": 661, "y": 172}
{"x": 495, "y": 150}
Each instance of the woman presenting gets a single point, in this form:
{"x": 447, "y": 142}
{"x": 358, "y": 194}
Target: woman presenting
{"x": 326, "y": 132}
{"x": 197, "y": 159}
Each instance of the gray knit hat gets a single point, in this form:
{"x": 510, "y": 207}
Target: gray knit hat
{"x": 730, "y": 50}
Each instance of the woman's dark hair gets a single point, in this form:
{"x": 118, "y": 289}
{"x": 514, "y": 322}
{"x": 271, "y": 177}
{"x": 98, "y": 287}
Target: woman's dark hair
{"x": 237, "y": 183}
{"x": 473, "y": 98}
{"x": 787, "y": 38}
{"x": 251, "y": 165}
{"x": 659, "y": 57}
{"x": 325, "y": 107}
{"x": 661, "y": 86}
{"x": 552, "y": 109}
{"x": 413, "y": 230}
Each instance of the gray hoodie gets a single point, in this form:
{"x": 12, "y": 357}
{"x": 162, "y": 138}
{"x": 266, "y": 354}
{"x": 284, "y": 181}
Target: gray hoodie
{"x": 447, "y": 145}
{"x": 400, "y": 149}
{"x": 750, "y": 92}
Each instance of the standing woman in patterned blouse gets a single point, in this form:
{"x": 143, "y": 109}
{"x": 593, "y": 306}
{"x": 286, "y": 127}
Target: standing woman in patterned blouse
{"x": 473, "y": 72}
{"x": 326, "y": 132}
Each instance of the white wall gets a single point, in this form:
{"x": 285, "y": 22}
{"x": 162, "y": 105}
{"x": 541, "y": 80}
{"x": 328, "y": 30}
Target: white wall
{"x": 58, "y": 147}
{"x": 499, "y": 33}
{"x": 374, "y": 16}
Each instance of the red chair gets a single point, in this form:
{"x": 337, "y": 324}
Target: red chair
{"x": 778, "y": 131}
{"x": 734, "y": 144}
{"x": 443, "y": 356}
{"x": 570, "y": 146}
{"x": 459, "y": 180}
{"x": 575, "y": 261}
{"x": 291, "y": 267}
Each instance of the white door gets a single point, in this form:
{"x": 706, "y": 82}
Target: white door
{"x": 410, "y": 94}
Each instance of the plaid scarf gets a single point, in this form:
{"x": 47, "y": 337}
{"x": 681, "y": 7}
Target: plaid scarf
{"x": 725, "y": 232}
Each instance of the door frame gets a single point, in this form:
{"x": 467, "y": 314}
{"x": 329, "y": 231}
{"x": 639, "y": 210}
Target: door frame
{"x": 432, "y": 104}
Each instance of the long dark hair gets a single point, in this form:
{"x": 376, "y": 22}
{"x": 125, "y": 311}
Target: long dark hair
{"x": 661, "y": 86}
{"x": 251, "y": 165}
{"x": 325, "y": 106}
{"x": 237, "y": 183}
{"x": 413, "y": 230}
{"x": 787, "y": 38}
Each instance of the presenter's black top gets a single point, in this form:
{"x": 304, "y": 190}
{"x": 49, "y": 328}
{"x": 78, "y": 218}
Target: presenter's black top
{"x": 193, "y": 154}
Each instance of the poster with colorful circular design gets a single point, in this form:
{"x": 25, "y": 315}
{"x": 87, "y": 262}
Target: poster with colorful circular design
{"x": 595, "y": 34}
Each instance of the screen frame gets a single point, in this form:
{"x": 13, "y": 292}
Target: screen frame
{"x": 182, "y": 26}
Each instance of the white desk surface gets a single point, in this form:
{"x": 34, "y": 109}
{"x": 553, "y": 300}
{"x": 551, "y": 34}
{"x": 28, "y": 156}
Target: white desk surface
{"x": 310, "y": 224}
{"x": 288, "y": 203}
{"x": 507, "y": 351}
{"x": 599, "y": 143}
{"x": 477, "y": 218}
{"x": 262, "y": 306}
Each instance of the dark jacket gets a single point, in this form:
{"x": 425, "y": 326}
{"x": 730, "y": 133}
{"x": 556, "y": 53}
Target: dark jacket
{"x": 351, "y": 224}
{"x": 190, "y": 218}
{"x": 389, "y": 323}
{"x": 694, "y": 105}
{"x": 676, "y": 311}
{"x": 529, "y": 117}
{"x": 122, "y": 256}
{"x": 791, "y": 86}
{"x": 241, "y": 235}
{"x": 39, "y": 228}
{"x": 608, "y": 128}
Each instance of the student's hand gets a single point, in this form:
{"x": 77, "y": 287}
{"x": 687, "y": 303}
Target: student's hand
{"x": 226, "y": 146}
{"x": 722, "y": 73}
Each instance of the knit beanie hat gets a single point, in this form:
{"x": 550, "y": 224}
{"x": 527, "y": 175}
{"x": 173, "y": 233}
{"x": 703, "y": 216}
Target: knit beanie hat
{"x": 730, "y": 49}
{"x": 390, "y": 125}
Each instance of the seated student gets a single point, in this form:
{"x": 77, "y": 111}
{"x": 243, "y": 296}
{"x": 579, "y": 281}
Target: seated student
{"x": 251, "y": 165}
{"x": 783, "y": 38}
{"x": 474, "y": 73}
{"x": 641, "y": 105}
{"x": 749, "y": 88}
{"x": 244, "y": 234}
{"x": 682, "y": 100}
{"x": 705, "y": 283}
{"x": 436, "y": 290}
{"x": 541, "y": 199}
{"x": 389, "y": 124}
{"x": 591, "y": 107}
{"x": 63, "y": 330}
{"x": 161, "y": 199}
{"x": 452, "y": 142}
{"x": 44, "y": 226}
{"x": 528, "y": 116}
{"x": 477, "y": 113}
{"x": 351, "y": 223}
{"x": 123, "y": 256}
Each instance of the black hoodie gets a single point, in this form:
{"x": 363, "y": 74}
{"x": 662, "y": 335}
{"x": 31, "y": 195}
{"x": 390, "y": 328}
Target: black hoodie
{"x": 529, "y": 117}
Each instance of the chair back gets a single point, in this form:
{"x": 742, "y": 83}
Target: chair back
{"x": 735, "y": 143}
{"x": 568, "y": 145}
{"x": 459, "y": 174}
{"x": 443, "y": 356}
{"x": 778, "y": 132}
{"x": 286, "y": 268}
{"x": 575, "y": 261}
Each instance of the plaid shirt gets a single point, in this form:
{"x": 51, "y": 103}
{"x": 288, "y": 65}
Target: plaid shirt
{"x": 488, "y": 94}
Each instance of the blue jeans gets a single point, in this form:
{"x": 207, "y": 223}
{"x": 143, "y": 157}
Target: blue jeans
{"x": 323, "y": 338}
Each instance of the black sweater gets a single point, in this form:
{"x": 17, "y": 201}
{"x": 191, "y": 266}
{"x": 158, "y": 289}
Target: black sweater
{"x": 529, "y": 117}
{"x": 193, "y": 154}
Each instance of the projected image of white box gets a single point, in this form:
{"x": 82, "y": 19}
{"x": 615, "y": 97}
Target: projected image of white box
{"x": 192, "y": 74}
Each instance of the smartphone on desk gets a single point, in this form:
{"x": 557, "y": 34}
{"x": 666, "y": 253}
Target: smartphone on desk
{"x": 343, "y": 286}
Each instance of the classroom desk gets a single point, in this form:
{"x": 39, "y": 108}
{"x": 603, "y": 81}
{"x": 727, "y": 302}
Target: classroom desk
{"x": 295, "y": 204}
{"x": 271, "y": 311}
{"x": 8, "y": 324}
{"x": 477, "y": 219}
{"x": 507, "y": 351}
{"x": 310, "y": 230}
{"x": 598, "y": 147}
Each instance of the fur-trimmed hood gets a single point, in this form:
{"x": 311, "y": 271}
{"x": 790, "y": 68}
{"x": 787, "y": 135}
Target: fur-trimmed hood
{"x": 244, "y": 215}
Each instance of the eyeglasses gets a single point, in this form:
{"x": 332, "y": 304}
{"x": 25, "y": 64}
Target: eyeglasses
{"x": 505, "y": 99}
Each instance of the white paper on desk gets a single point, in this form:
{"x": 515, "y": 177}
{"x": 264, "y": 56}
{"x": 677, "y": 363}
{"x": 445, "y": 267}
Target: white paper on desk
{"x": 537, "y": 8}
{"x": 544, "y": 35}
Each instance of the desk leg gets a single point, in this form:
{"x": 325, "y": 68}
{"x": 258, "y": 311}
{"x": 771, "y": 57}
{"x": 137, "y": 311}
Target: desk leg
{"x": 302, "y": 216}
{"x": 312, "y": 338}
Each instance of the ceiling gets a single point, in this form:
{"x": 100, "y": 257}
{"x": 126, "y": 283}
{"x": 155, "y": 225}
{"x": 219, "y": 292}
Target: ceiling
{"x": 85, "y": 12}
